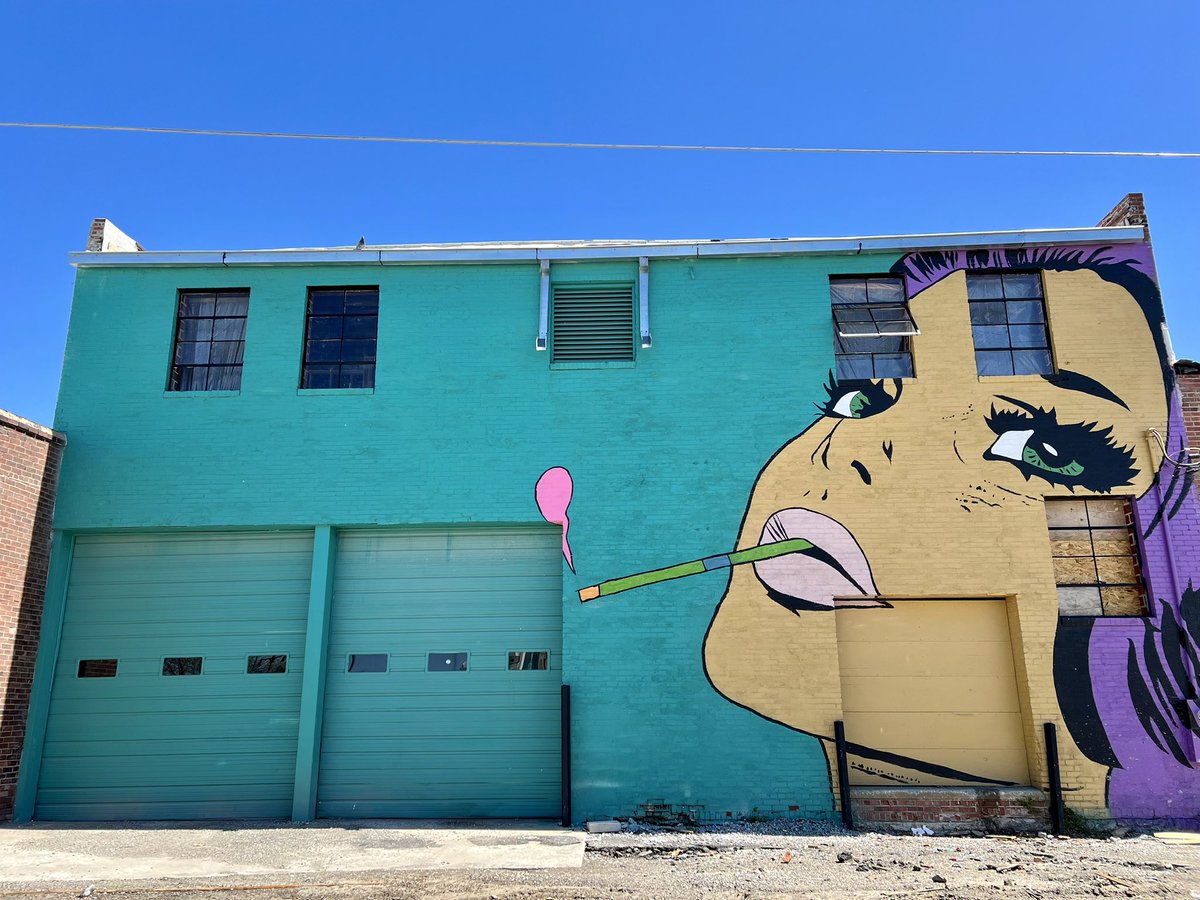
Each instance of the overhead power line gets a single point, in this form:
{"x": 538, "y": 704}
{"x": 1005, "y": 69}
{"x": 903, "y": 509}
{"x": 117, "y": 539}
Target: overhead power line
{"x": 585, "y": 145}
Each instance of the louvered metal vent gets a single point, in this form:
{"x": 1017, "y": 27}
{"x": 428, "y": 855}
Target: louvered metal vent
{"x": 592, "y": 322}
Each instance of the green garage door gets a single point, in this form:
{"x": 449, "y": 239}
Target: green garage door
{"x": 442, "y": 695}
{"x": 169, "y": 701}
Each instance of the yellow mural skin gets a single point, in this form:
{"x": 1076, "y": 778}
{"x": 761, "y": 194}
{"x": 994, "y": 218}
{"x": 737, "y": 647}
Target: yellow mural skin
{"x": 939, "y": 521}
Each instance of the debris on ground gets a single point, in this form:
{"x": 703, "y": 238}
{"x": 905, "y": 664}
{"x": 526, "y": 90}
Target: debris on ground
{"x": 1178, "y": 837}
{"x": 603, "y": 826}
{"x": 767, "y": 861}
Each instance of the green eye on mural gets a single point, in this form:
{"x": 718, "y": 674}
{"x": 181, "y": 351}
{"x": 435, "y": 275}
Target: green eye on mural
{"x": 1077, "y": 454}
{"x": 853, "y": 405}
{"x": 1033, "y": 458}
{"x": 859, "y": 400}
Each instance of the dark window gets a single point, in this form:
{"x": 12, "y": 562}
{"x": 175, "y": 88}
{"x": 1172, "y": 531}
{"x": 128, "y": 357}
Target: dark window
{"x": 367, "y": 662}
{"x": 447, "y": 662}
{"x": 340, "y": 329}
{"x": 591, "y": 323}
{"x": 872, "y": 327}
{"x": 526, "y": 660}
{"x": 1096, "y": 565}
{"x": 266, "y": 665}
{"x": 210, "y": 337}
{"x": 1008, "y": 323}
{"x": 97, "y": 668}
{"x": 183, "y": 665}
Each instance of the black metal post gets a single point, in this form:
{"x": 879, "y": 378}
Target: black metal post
{"x": 565, "y": 751}
{"x": 1056, "y": 796}
{"x": 839, "y": 739}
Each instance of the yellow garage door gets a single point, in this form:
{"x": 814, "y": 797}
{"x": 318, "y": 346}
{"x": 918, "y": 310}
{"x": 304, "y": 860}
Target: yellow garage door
{"x": 929, "y": 695}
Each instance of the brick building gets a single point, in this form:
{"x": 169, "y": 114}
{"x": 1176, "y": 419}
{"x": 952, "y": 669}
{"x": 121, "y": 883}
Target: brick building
{"x": 29, "y": 460}
{"x": 1187, "y": 372}
{"x": 328, "y": 516}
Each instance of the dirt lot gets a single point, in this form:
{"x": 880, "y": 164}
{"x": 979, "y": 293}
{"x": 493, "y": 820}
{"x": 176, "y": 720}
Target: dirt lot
{"x": 750, "y": 864}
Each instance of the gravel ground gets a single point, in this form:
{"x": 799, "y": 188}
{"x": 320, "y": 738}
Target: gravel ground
{"x": 767, "y": 860}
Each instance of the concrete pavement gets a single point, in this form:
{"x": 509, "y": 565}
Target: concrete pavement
{"x": 91, "y": 853}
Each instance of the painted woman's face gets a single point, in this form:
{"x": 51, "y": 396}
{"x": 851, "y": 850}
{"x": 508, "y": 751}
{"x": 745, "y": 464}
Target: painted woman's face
{"x": 932, "y": 488}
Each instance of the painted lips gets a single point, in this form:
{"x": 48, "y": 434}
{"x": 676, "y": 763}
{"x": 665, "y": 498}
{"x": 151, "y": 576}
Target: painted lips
{"x": 835, "y": 574}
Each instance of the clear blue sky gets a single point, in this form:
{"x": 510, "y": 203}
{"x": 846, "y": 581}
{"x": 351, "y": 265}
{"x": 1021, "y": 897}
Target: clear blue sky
{"x": 1017, "y": 75}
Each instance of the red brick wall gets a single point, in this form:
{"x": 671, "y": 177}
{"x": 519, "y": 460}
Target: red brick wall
{"x": 1008, "y": 809}
{"x": 29, "y": 459}
{"x": 1189, "y": 391}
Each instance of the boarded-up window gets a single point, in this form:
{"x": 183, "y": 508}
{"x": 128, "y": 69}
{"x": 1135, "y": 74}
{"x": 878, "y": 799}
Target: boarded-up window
{"x": 1096, "y": 565}
{"x": 592, "y": 323}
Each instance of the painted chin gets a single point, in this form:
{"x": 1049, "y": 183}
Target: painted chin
{"x": 834, "y": 575}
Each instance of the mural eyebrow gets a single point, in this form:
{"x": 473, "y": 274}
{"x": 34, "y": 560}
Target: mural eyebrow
{"x": 1073, "y": 381}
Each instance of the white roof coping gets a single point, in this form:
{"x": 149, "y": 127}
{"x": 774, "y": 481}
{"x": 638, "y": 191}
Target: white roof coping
{"x": 532, "y": 251}
{"x": 33, "y": 429}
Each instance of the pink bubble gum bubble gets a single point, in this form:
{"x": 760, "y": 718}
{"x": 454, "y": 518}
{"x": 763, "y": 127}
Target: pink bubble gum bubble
{"x": 553, "y": 493}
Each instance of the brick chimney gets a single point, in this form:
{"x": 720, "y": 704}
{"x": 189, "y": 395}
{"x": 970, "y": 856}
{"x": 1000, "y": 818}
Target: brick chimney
{"x": 105, "y": 237}
{"x": 1130, "y": 211}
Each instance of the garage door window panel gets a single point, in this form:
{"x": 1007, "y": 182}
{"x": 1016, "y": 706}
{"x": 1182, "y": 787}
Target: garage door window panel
{"x": 269, "y": 664}
{"x": 182, "y": 665}
{"x": 367, "y": 663}
{"x": 447, "y": 662}
{"x": 528, "y": 660}
{"x": 97, "y": 668}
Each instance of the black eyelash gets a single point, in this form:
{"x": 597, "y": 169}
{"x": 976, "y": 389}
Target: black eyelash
{"x": 832, "y": 391}
{"x": 1105, "y": 464}
{"x": 1007, "y": 420}
{"x": 877, "y": 398}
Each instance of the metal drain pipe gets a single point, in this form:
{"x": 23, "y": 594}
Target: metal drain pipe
{"x": 1057, "y": 813}
{"x": 839, "y": 739}
{"x": 565, "y": 752}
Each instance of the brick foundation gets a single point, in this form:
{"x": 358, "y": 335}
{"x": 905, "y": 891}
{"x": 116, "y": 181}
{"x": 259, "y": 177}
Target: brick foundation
{"x": 29, "y": 461}
{"x": 950, "y": 809}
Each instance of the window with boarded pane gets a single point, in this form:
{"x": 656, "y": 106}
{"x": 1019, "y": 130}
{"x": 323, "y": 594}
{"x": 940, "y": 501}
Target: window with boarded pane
{"x": 592, "y": 322}
{"x": 872, "y": 327}
{"x": 340, "y": 330}
{"x": 1096, "y": 565}
{"x": 1008, "y": 323}
{"x": 210, "y": 338}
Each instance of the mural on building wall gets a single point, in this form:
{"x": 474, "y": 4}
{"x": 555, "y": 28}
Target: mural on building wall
{"x": 939, "y": 480}
{"x": 553, "y": 493}
{"x": 1125, "y": 684}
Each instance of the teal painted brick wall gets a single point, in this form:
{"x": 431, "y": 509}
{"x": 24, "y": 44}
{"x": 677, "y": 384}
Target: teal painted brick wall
{"x": 464, "y": 418}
